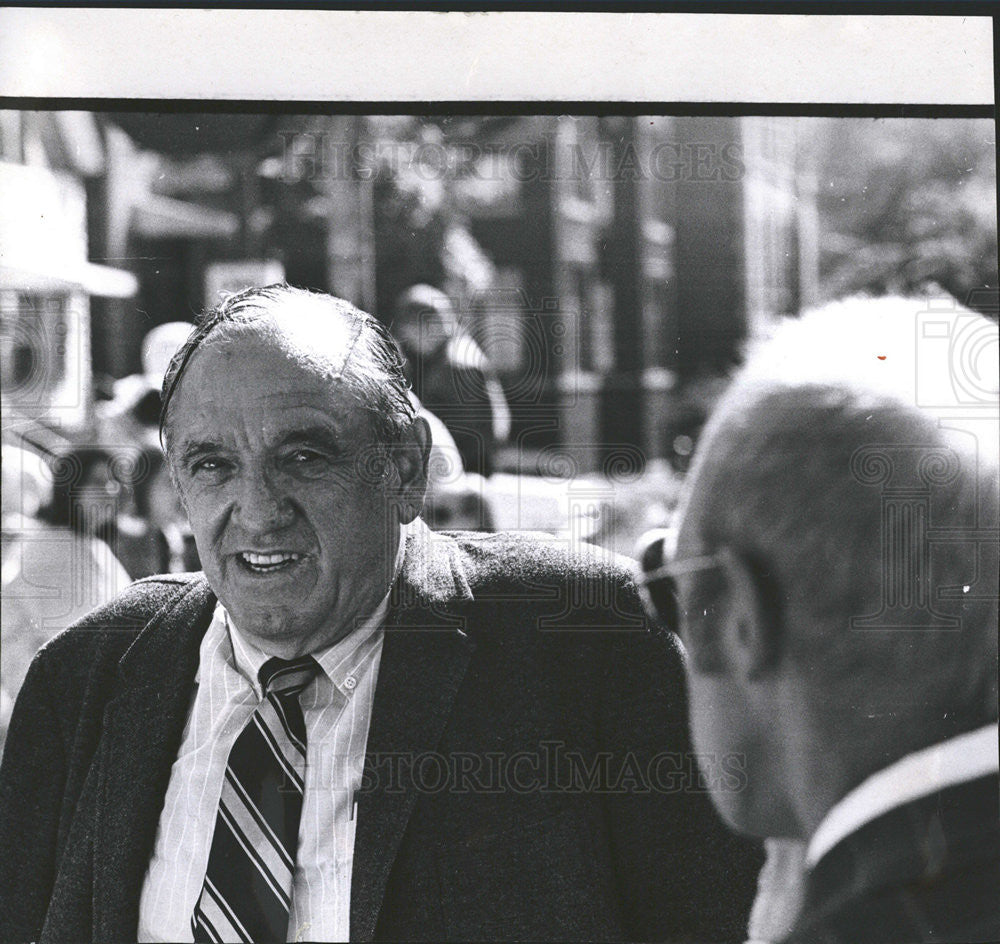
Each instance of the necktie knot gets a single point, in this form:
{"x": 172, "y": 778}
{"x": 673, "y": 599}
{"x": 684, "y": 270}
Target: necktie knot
{"x": 283, "y": 675}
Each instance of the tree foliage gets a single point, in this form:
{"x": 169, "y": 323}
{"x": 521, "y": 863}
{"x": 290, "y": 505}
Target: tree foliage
{"x": 908, "y": 206}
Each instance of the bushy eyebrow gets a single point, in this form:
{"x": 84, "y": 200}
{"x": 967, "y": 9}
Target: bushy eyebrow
{"x": 312, "y": 436}
{"x": 317, "y": 435}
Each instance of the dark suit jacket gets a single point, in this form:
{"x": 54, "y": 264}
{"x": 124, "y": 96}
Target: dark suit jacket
{"x": 926, "y": 871}
{"x": 528, "y": 771}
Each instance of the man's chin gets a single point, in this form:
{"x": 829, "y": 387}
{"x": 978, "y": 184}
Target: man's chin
{"x": 271, "y": 623}
{"x": 278, "y": 632}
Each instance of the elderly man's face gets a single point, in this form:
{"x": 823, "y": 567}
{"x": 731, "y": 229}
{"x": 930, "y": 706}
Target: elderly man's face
{"x": 296, "y": 540}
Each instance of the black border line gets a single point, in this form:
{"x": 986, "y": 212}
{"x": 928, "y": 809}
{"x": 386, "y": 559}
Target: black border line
{"x": 759, "y": 7}
{"x": 490, "y": 107}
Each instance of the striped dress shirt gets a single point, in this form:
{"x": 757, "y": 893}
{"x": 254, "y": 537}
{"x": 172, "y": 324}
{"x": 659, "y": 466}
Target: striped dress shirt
{"x": 337, "y": 707}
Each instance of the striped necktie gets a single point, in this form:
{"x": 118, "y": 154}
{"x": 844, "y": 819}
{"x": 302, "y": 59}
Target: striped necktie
{"x": 248, "y": 883}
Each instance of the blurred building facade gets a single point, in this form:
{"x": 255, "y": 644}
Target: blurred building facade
{"x": 610, "y": 267}
{"x": 650, "y": 248}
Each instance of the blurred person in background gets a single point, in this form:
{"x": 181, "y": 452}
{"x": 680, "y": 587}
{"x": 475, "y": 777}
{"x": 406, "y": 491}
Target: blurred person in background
{"x": 132, "y": 416}
{"x": 89, "y": 491}
{"x": 456, "y": 499}
{"x": 58, "y": 561}
{"x": 834, "y": 583}
{"x": 156, "y": 537}
{"x": 152, "y": 531}
{"x": 451, "y": 375}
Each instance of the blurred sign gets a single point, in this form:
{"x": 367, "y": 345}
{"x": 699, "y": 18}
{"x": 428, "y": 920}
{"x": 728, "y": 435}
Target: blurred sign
{"x": 224, "y": 278}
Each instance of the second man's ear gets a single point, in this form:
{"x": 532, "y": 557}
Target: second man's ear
{"x": 752, "y": 640}
{"x": 408, "y": 469}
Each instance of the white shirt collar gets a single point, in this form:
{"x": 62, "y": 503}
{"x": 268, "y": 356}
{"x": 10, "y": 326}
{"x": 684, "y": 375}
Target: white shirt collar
{"x": 338, "y": 661}
{"x": 957, "y": 760}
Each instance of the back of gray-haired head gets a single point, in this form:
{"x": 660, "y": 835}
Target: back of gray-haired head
{"x": 864, "y": 423}
{"x": 343, "y": 342}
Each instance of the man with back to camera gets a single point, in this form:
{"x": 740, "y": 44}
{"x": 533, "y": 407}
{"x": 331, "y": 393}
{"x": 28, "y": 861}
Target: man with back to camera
{"x": 349, "y": 727}
{"x": 834, "y": 580}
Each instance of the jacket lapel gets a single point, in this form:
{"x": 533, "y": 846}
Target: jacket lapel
{"x": 143, "y": 725}
{"x": 424, "y": 659}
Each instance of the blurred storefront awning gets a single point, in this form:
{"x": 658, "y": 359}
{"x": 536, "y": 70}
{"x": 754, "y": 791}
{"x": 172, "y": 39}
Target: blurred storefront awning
{"x": 159, "y": 217}
{"x": 58, "y": 277}
{"x": 43, "y": 237}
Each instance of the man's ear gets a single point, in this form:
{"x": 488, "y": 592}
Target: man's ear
{"x": 409, "y": 459}
{"x": 752, "y": 628}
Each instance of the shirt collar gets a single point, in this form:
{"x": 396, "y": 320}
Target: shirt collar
{"x": 339, "y": 661}
{"x": 957, "y": 760}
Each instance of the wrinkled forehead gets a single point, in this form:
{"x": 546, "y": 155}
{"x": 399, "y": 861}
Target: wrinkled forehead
{"x": 268, "y": 365}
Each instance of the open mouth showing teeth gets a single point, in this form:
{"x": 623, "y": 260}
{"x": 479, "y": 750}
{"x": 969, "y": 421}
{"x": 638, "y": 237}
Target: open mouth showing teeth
{"x": 267, "y": 563}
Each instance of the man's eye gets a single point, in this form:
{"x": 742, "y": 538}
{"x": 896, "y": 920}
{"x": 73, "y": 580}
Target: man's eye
{"x": 305, "y": 457}
{"x": 208, "y": 465}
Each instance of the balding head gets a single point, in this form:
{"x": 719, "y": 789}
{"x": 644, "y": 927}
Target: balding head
{"x": 345, "y": 344}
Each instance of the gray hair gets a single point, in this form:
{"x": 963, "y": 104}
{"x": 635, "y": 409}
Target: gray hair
{"x": 796, "y": 466}
{"x": 371, "y": 366}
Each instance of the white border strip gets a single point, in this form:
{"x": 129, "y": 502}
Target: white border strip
{"x": 354, "y": 56}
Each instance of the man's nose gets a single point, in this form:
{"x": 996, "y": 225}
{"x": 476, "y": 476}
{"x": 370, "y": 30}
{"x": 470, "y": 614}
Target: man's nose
{"x": 262, "y": 505}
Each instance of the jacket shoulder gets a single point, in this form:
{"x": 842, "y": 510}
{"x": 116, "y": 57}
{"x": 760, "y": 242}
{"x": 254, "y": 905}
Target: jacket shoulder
{"x": 111, "y": 628}
{"x": 528, "y": 556}
{"x": 550, "y": 583}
